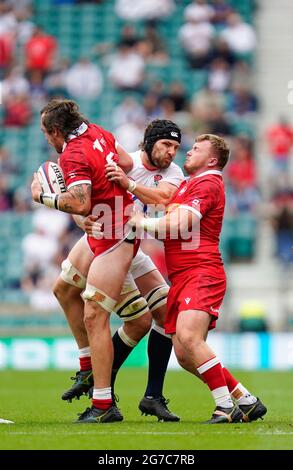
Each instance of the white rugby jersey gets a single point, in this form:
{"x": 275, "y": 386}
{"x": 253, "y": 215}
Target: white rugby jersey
{"x": 151, "y": 177}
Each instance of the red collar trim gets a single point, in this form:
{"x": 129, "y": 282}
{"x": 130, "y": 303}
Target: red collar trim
{"x": 148, "y": 168}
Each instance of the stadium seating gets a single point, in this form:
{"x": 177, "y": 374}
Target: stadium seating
{"x": 78, "y": 28}
{"x": 242, "y": 237}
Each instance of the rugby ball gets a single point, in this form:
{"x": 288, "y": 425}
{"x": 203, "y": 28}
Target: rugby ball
{"x": 51, "y": 178}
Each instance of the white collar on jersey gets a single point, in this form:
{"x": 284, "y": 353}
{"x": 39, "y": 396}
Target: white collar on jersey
{"x": 79, "y": 131}
{"x": 209, "y": 172}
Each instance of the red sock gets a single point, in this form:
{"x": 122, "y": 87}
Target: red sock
{"x": 231, "y": 382}
{"x": 212, "y": 373}
{"x": 102, "y": 404}
{"x": 85, "y": 363}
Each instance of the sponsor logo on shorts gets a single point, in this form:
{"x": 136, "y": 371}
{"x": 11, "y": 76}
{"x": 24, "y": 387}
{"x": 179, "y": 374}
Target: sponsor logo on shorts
{"x": 216, "y": 310}
{"x": 187, "y": 300}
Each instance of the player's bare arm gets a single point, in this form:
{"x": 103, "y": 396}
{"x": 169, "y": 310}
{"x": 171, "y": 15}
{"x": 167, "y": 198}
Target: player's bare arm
{"x": 177, "y": 221}
{"x": 162, "y": 194}
{"x": 125, "y": 161}
{"x": 79, "y": 220}
{"x": 77, "y": 200}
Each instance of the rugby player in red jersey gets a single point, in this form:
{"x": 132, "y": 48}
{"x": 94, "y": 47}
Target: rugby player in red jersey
{"x": 191, "y": 232}
{"x": 84, "y": 150}
{"x": 154, "y": 177}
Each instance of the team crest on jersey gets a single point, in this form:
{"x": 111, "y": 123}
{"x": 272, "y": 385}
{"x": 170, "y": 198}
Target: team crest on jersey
{"x": 157, "y": 178}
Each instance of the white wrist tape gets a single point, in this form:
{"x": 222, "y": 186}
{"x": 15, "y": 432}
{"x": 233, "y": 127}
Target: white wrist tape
{"x": 131, "y": 186}
{"x": 50, "y": 200}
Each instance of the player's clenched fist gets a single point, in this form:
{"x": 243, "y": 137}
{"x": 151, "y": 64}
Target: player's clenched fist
{"x": 92, "y": 227}
{"x": 116, "y": 174}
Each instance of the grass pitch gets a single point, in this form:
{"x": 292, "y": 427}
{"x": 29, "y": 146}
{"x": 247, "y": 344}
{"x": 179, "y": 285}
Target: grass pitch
{"x": 44, "y": 421}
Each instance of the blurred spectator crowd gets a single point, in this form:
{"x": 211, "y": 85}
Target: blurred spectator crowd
{"x": 216, "y": 46}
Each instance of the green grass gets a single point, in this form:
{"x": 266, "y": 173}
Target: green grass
{"x": 43, "y": 421}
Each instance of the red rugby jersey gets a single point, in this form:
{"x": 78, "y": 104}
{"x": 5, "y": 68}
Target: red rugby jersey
{"x": 204, "y": 195}
{"x": 83, "y": 161}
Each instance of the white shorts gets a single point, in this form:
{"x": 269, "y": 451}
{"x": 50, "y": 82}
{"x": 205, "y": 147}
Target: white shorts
{"x": 141, "y": 264}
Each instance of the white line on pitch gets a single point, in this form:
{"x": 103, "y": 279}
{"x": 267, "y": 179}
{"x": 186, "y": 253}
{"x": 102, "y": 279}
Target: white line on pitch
{"x": 150, "y": 433}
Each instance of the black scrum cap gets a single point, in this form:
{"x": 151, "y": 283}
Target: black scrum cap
{"x": 157, "y": 130}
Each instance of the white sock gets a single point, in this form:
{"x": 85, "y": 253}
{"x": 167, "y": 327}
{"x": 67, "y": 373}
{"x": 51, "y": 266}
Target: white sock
{"x": 222, "y": 397}
{"x": 84, "y": 352}
{"x": 102, "y": 393}
{"x": 247, "y": 398}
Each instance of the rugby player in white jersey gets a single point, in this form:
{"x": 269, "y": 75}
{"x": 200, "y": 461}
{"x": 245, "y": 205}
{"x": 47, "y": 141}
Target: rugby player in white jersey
{"x": 153, "y": 178}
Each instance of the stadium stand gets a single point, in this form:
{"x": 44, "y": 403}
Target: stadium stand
{"x": 94, "y": 32}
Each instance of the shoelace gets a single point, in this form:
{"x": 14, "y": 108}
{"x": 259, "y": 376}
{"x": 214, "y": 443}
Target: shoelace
{"x": 115, "y": 398}
{"x": 76, "y": 376}
{"x": 165, "y": 402}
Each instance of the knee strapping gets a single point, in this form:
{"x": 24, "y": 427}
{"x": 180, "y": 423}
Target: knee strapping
{"x": 100, "y": 297}
{"x": 125, "y": 338}
{"x": 133, "y": 306}
{"x": 157, "y": 297}
{"x": 71, "y": 275}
